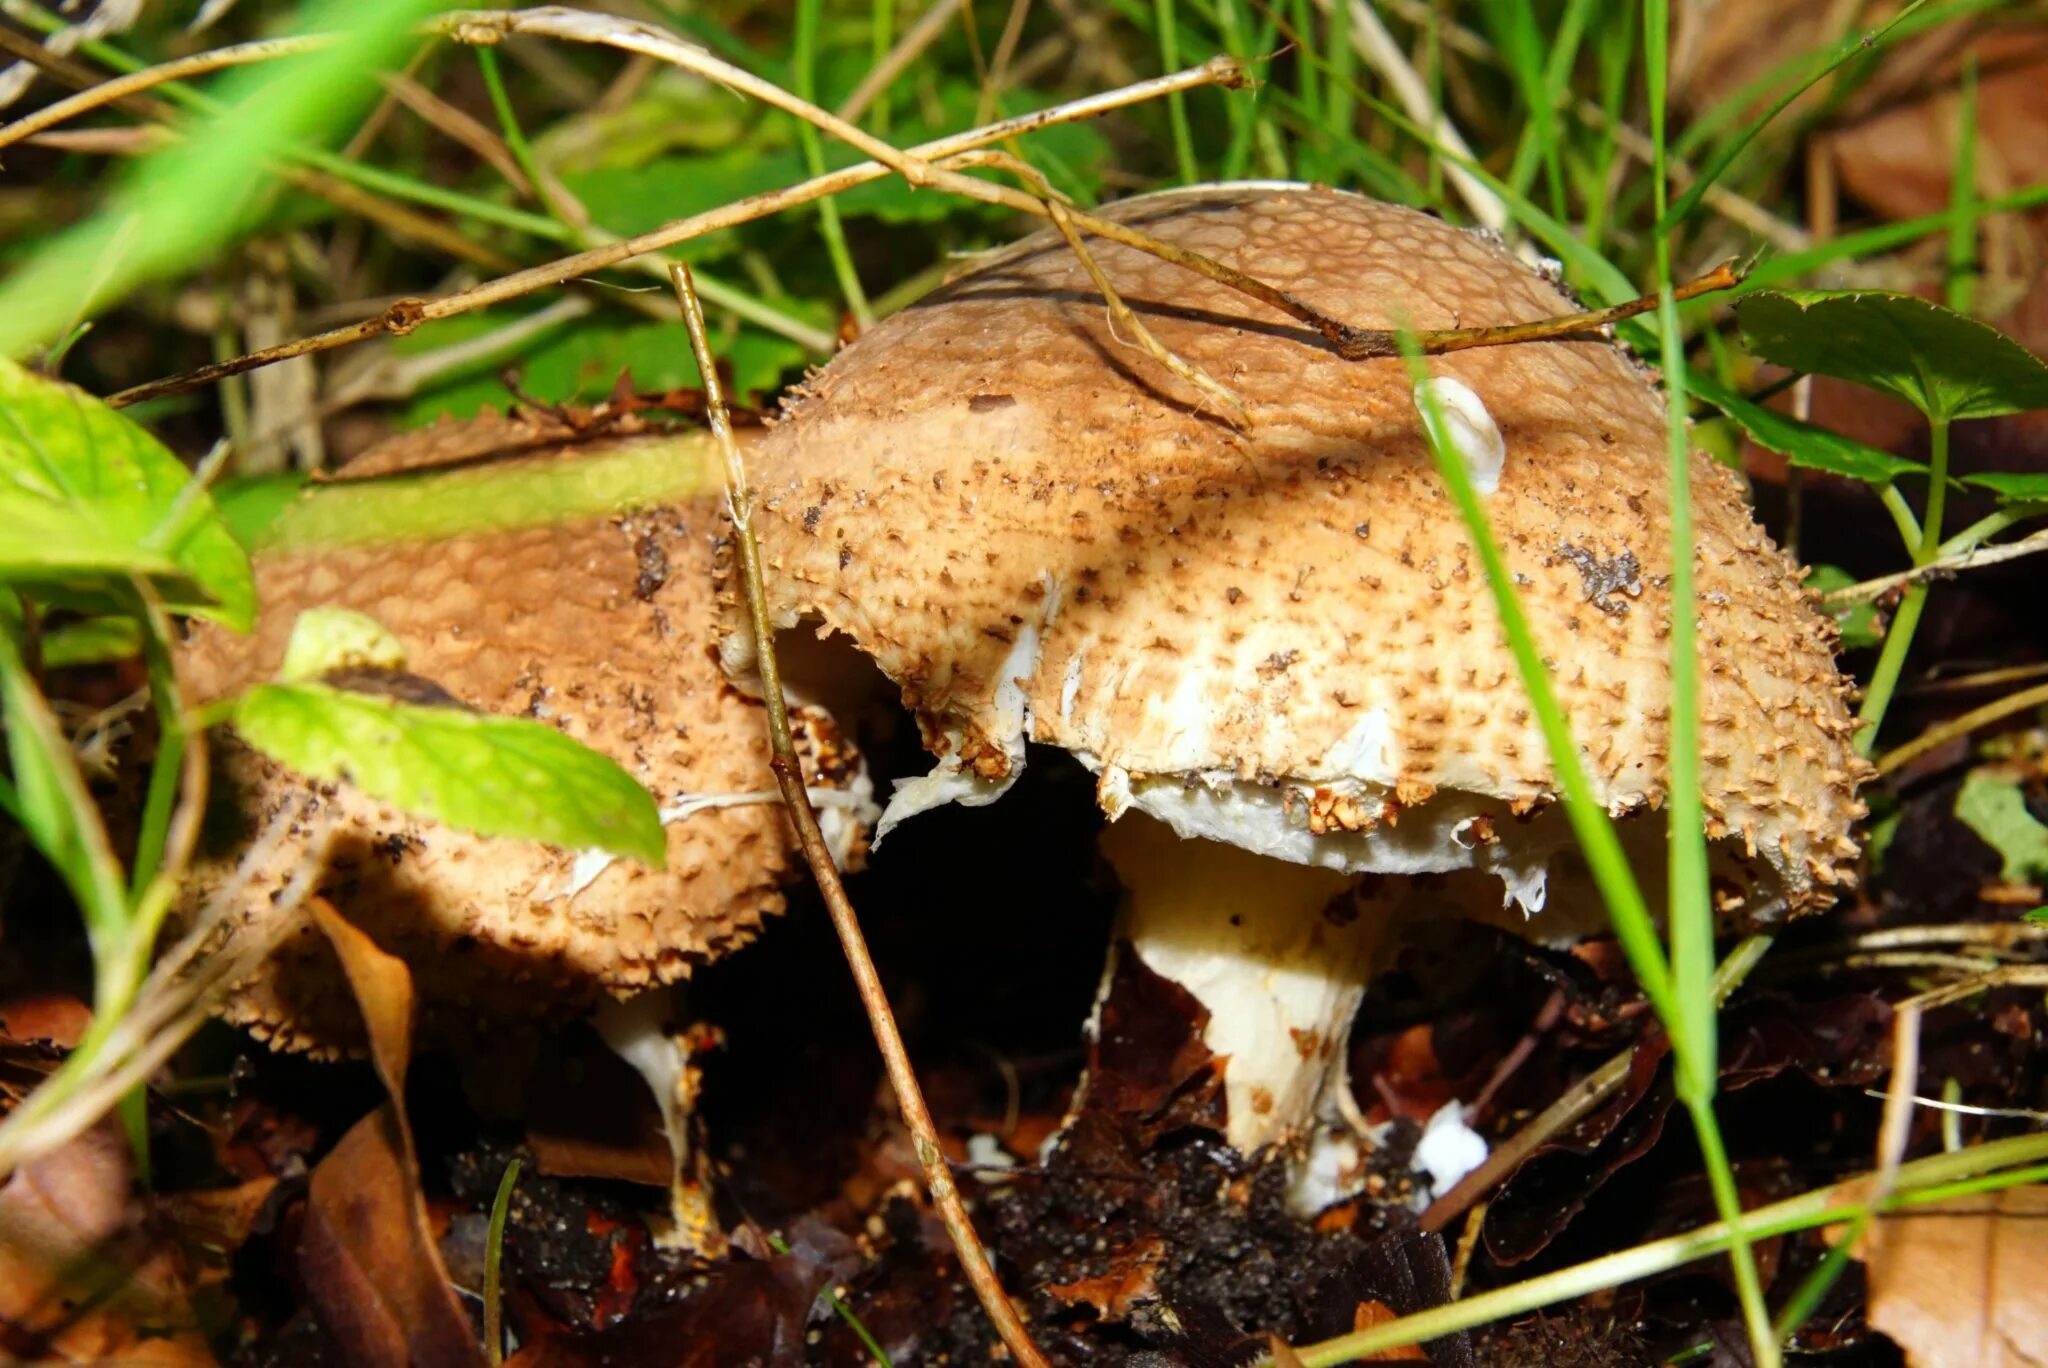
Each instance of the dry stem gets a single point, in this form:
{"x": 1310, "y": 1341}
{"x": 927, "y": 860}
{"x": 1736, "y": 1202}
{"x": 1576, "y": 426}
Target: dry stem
{"x": 406, "y": 314}
{"x": 789, "y": 777}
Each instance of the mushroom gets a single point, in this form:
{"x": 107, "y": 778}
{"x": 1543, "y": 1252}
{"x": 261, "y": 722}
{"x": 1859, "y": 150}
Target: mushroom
{"x": 1275, "y": 648}
{"x": 601, "y": 626}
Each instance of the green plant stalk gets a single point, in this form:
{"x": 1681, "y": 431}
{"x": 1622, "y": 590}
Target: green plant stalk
{"x": 1339, "y": 112}
{"x": 1166, "y": 20}
{"x": 515, "y": 136}
{"x": 1871, "y": 42}
{"x": 1883, "y": 238}
{"x": 1694, "y": 1028}
{"x": 1806, "y": 1298}
{"x": 1633, "y": 926}
{"x": 494, "y": 1257}
{"x": 1242, "y": 113}
{"x": 881, "y": 37}
{"x": 164, "y": 771}
{"x": 178, "y": 205}
{"x": 842, "y": 1310}
{"x": 803, "y": 64}
{"x": 395, "y": 186}
{"x": 1898, "y": 641}
{"x": 1937, "y": 1178}
{"x": 1962, "y": 233}
{"x": 1903, "y": 516}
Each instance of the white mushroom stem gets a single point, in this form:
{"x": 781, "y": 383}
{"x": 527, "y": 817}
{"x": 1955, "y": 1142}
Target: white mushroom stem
{"x": 1279, "y": 955}
{"x": 638, "y": 1031}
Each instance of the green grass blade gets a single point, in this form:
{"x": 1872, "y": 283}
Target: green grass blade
{"x": 1166, "y": 20}
{"x": 1633, "y": 925}
{"x": 1860, "y": 45}
{"x": 1962, "y": 230}
{"x": 804, "y": 75}
{"x": 181, "y": 204}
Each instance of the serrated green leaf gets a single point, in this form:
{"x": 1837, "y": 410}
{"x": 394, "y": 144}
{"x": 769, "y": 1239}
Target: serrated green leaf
{"x": 1993, "y": 805}
{"x": 84, "y": 491}
{"x": 2013, "y": 486}
{"x": 1804, "y": 444}
{"x": 1947, "y": 365}
{"x": 324, "y": 640}
{"x": 498, "y": 776}
{"x": 1858, "y": 621}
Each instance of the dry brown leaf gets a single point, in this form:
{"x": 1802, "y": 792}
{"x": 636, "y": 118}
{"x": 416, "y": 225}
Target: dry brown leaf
{"x": 1965, "y": 1284}
{"x": 383, "y": 989}
{"x": 1368, "y": 1314}
{"x": 82, "y": 1277}
{"x": 367, "y": 1254}
{"x": 1126, "y": 1283}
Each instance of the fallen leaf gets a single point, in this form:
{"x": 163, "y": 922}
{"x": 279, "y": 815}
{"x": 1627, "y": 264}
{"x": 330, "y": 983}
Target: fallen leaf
{"x": 1126, "y": 1283}
{"x": 83, "y": 1278}
{"x": 367, "y": 1253}
{"x": 1960, "y": 1284}
{"x": 1372, "y": 1313}
{"x": 53, "y": 1018}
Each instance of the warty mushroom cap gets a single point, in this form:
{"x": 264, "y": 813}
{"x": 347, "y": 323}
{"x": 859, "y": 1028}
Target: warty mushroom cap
{"x": 601, "y": 626}
{"x": 1281, "y": 638}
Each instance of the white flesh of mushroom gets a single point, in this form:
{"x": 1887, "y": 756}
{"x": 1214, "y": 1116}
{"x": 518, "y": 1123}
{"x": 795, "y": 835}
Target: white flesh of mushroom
{"x": 1278, "y": 955}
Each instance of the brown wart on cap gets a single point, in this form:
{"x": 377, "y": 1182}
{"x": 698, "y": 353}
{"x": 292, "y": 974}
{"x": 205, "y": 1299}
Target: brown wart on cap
{"x": 602, "y": 626}
{"x": 1278, "y": 642}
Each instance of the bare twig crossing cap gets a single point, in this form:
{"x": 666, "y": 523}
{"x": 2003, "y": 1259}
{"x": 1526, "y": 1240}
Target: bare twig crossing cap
{"x": 601, "y": 626}
{"x": 1281, "y": 638}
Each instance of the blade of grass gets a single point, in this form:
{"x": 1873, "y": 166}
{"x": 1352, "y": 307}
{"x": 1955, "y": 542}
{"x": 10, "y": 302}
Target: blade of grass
{"x": 180, "y": 204}
{"x": 1521, "y": 47}
{"x": 1922, "y": 1182}
{"x": 1590, "y": 823}
{"x": 1694, "y": 1030}
{"x": 881, "y": 36}
{"x": 1867, "y": 242}
{"x": 515, "y": 136}
{"x": 1962, "y": 231}
{"x": 1871, "y": 42}
{"x": 804, "y": 80}
{"x": 1166, "y": 21}
{"x": 494, "y": 1257}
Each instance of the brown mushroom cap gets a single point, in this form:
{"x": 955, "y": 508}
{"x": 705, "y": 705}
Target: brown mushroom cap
{"x": 1282, "y": 637}
{"x": 602, "y": 627}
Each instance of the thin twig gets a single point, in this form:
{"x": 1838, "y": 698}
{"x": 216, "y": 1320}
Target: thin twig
{"x": 404, "y": 315}
{"x": 1995, "y": 711}
{"x": 198, "y": 64}
{"x": 1974, "y": 558}
{"x": 908, "y": 49}
{"x": 789, "y": 777}
{"x": 1119, "y": 312}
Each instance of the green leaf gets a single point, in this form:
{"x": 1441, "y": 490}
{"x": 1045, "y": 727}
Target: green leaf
{"x": 249, "y": 504}
{"x": 1993, "y": 805}
{"x": 2013, "y": 486}
{"x": 498, "y": 776}
{"x": 1804, "y": 444}
{"x": 1858, "y": 621}
{"x": 582, "y": 360}
{"x": 1943, "y": 363}
{"x": 86, "y": 492}
{"x": 2039, "y": 916}
{"x": 324, "y": 640}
